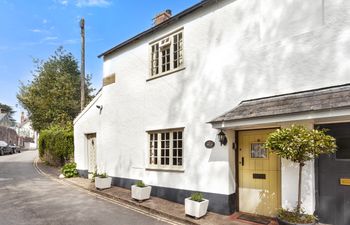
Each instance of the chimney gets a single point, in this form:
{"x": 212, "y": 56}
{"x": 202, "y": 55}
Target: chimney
{"x": 161, "y": 17}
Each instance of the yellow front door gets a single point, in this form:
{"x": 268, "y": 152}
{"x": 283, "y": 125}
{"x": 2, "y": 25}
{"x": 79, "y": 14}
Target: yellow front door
{"x": 259, "y": 174}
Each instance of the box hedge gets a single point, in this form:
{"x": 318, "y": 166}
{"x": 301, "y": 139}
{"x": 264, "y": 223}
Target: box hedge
{"x": 56, "y": 145}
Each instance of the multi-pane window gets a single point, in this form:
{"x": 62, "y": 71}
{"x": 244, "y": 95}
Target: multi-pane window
{"x": 166, "y": 149}
{"x": 167, "y": 54}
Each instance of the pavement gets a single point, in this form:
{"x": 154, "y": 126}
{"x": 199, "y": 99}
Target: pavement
{"x": 155, "y": 206}
{"x": 27, "y": 196}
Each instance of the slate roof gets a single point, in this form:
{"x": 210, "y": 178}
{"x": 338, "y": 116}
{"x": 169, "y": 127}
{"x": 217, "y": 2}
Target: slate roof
{"x": 329, "y": 98}
{"x": 160, "y": 26}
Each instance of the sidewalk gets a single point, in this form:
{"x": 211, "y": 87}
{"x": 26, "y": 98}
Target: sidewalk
{"x": 158, "y": 206}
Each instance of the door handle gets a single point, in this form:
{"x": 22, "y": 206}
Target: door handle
{"x": 242, "y": 161}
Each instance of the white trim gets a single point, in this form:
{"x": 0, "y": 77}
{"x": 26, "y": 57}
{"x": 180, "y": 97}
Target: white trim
{"x": 164, "y": 167}
{"x": 171, "y": 55}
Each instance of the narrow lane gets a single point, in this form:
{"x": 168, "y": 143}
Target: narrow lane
{"x": 26, "y": 197}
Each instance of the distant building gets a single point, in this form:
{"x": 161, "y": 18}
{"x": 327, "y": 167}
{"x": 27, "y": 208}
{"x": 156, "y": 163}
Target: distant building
{"x": 27, "y": 135}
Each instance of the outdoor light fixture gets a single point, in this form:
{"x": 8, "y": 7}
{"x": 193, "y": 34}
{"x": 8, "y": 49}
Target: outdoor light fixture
{"x": 100, "y": 107}
{"x": 222, "y": 138}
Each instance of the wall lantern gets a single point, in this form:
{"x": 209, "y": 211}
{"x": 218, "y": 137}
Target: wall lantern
{"x": 222, "y": 138}
{"x": 100, "y": 107}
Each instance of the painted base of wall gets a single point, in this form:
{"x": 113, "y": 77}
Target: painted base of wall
{"x": 83, "y": 173}
{"x": 218, "y": 203}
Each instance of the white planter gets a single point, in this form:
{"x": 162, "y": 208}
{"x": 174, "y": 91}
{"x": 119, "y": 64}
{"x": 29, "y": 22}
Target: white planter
{"x": 103, "y": 183}
{"x": 196, "y": 209}
{"x": 139, "y": 193}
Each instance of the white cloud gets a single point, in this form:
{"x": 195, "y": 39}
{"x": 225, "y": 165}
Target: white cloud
{"x": 71, "y": 41}
{"x": 36, "y": 30}
{"x": 49, "y": 38}
{"x": 44, "y": 21}
{"x": 91, "y": 3}
{"x": 62, "y": 2}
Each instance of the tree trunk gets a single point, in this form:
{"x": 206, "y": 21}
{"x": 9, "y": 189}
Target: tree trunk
{"x": 299, "y": 187}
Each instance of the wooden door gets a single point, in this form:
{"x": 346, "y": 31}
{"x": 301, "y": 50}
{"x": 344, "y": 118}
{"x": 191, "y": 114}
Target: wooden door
{"x": 259, "y": 174}
{"x": 333, "y": 178}
{"x": 91, "y": 147}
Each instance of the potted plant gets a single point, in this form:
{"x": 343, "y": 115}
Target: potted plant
{"x": 102, "y": 181}
{"x": 299, "y": 145}
{"x": 196, "y": 205}
{"x": 140, "y": 191}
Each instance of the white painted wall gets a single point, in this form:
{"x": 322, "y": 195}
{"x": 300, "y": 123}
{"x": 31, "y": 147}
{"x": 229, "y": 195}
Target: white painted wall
{"x": 87, "y": 122}
{"x": 234, "y": 51}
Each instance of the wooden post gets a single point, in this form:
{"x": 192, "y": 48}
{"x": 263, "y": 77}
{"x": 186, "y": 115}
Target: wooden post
{"x": 82, "y": 69}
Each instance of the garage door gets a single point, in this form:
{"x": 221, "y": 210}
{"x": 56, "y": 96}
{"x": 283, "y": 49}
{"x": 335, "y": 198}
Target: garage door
{"x": 333, "y": 179}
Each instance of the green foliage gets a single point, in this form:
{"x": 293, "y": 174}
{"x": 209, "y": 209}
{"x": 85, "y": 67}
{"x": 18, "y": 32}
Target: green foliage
{"x": 69, "y": 170}
{"x": 140, "y": 184}
{"x": 100, "y": 175}
{"x": 300, "y": 144}
{"x": 198, "y": 197}
{"x": 56, "y": 145}
{"x": 295, "y": 216}
{"x": 8, "y": 109}
{"x": 53, "y": 96}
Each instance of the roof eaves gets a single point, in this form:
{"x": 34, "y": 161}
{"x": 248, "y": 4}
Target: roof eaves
{"x": 158, "y": 27}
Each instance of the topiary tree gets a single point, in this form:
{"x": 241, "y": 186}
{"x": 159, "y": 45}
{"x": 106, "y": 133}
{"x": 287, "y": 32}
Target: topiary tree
{"x": 300, "y": 145}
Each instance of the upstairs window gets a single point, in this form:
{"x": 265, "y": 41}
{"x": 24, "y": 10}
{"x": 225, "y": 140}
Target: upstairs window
{"x": 167, "y": 54}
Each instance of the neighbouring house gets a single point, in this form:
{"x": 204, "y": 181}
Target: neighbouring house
{"x": 238, "y": 68}
{"x": 27, "y": 136}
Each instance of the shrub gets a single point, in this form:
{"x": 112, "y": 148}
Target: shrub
{"x": 69, "y": 170}
{"x": 140, "y": 184}
{"x": 299, "y": 144}
{"x": 293, "y": 216}
{"x": 56, "y": 145}
{"x": 100, "y": 175}
{"x": 198, "y": 197}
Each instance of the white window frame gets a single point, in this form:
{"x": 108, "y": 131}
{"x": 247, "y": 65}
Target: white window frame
{"x": 158, "y": 166}
{"x": 168, "y": 40}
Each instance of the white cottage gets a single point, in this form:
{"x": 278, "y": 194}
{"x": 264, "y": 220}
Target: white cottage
{"x": 166, "y": 91}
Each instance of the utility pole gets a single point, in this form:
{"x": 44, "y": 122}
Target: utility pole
{"x": 82, "y": 69}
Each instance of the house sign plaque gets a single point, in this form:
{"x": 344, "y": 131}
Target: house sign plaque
{"x": 345, "y": 181}
{"x": 209, "y": 144}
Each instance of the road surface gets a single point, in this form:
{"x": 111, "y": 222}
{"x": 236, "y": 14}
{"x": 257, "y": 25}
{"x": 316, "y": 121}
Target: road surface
{"x": 26, "y": 197}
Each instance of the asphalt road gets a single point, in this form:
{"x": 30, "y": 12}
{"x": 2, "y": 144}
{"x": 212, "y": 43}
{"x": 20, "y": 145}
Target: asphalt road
{"x": 26, "y": 197}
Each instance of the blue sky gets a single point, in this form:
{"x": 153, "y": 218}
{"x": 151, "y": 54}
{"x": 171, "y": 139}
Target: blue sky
{"x": 36, "y": 28}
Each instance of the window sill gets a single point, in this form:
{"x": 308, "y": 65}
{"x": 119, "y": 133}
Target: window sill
{"x": 165, "y": 74}
{"x": 166, "y": 170}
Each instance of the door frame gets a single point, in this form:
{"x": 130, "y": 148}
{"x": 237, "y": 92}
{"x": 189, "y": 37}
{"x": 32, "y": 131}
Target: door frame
{"x": 237, "y": 164}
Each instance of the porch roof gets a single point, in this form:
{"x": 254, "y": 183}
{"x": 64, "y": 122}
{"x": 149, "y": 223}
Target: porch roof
{"x": 329, "y": 98}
